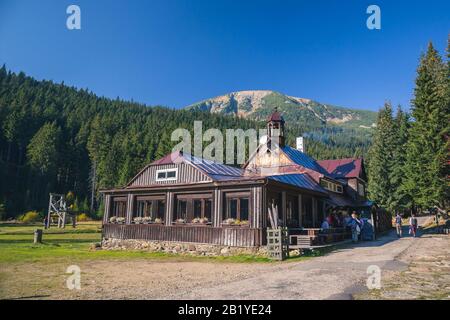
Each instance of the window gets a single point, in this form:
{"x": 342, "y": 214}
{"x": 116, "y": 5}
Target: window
{"x": 194, "y": 208}
{"x": 208, "y": 209}
{"x": 119, "y": 207}
{"x": 151, "y": 207}
{"x": 331, "y": 186}
{"x": 243, "y": 212}
{"x": 166, "y": 175}
{"x": 232, "y": 209}
{"x": 238, "y": 207}
{"x": 181, "y": 210}
{"x": 197, "y": 208}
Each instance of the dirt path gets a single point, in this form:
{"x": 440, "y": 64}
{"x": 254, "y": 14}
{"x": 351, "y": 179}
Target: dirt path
{"x": 338, "y": 275}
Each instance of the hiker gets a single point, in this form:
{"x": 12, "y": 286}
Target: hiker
{"x": 355, "y": 226}
{"x": 398, "y": 224}
{"x": 325, "y": 224}
{"x": 413, "y": 225}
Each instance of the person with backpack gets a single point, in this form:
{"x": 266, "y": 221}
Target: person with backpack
{"x": 413, "y": 225}
{"x": 355, "y": 225}
{"x": 398, "y": 224}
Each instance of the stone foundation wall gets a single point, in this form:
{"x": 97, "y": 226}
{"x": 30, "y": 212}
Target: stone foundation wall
{"x": 195, "y": 249}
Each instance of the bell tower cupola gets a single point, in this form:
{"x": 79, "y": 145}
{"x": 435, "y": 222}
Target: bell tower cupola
{"x": 275, "y": 128}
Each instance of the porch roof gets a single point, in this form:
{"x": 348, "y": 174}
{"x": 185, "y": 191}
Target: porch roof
{"x": 300, "y": 180}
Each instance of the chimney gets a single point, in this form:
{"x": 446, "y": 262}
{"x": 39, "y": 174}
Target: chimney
{"x": 300, "y": 144}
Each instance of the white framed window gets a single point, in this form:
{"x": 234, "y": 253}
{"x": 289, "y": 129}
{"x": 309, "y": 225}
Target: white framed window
{"x": 167, "y": 174}
{"x": 334, "y": 187}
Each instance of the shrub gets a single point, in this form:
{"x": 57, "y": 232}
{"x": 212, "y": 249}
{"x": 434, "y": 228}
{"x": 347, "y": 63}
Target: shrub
{"x": 83, "y": 217}
{"x": 30, "y": 216}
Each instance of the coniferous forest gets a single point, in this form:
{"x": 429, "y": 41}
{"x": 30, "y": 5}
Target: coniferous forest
{"x": 56, "y": 138}
{"x": 409, "y": 159}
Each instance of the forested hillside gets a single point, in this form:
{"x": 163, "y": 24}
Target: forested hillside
{"x": 55, "y": 138}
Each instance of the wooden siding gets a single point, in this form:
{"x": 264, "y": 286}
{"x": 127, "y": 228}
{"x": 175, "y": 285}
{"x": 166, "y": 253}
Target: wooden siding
{"x": 186, "y": 174}
{"x": 236, "y": 237}
{"x": 264, "y": 159}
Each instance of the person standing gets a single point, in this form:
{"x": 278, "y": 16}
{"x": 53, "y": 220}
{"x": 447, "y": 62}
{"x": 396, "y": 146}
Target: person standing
{"x": 413, "y": 225}
{"x": 356, "y": 227}
{"x": 398, "y": 224}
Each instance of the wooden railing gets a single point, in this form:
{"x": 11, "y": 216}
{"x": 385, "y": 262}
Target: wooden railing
{"x": 317, "y": 236}
{"x": 226, "y": 236}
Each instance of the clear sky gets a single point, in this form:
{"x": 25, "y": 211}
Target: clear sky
{"x": 177, "y": 52}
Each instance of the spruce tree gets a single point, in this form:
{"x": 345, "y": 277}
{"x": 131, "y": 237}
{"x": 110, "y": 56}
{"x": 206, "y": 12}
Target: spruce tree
{"x": 381, "y": 158}
{"x": 399, "y": 199}
{"x": 427, "y": 150}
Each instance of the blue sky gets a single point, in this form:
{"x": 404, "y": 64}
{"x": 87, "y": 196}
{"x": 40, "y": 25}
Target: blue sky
{"x": 177, "y": 52}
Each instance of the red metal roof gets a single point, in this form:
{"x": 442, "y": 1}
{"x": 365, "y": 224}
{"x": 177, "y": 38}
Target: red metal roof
{"x": 343, "y": 168}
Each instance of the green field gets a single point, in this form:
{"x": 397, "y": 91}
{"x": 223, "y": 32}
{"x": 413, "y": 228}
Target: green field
{"x": 16, "y": 246}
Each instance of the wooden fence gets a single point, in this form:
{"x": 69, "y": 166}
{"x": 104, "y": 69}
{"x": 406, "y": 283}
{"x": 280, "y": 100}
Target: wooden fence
{"x": 226, "y": 236}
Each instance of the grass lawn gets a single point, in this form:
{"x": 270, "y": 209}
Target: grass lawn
{"x": 29, "y": 271}
{"x": 16, "y": 246}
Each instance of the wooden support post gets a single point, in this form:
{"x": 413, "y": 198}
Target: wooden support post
{"x": 314, "y": 212}
{"x": 170, "y": 202}
{"x": 49, "y": 215}
{"x": 63, "y": 222}
{"x": 217, "y": 205}
{"x": 107, "y": 208}
{"x": 37, "y": 236}
{"x": 300, "y": 211}
{"x": 130, "y": 209}
{"x": 283, "y": 208}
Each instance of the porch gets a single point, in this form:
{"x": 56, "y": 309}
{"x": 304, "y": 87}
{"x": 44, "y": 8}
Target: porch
{"x": 224, "y": 236}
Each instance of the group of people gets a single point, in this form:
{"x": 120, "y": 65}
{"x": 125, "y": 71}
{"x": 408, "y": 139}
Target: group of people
{"x": 412, "y": 225}
{"x": 338, "y": 220}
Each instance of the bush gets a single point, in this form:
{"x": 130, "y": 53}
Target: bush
{"x": 30, "y": 216}
{"x": 83, "y": 217}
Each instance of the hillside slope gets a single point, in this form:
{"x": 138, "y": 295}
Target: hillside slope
{"x": 258, "y": 104}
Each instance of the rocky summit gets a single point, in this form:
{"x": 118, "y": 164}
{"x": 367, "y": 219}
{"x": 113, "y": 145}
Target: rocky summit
{"x": 258, "y": 104}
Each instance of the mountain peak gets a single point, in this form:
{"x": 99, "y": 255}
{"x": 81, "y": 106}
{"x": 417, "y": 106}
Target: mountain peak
{"x": 257, "y": 105}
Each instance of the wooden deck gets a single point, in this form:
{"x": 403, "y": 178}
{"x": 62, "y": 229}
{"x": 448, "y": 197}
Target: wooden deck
{"x": 225, "y": 236}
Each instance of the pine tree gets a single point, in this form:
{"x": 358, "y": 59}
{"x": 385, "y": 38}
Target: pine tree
{"x": 381, "y": 159}
{"x": 399, "y": 199}
{"x": 427, "y": 150}
{"x": 42, "y": 150}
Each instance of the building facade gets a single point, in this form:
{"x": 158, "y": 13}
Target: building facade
{"x": 182, "y": 198}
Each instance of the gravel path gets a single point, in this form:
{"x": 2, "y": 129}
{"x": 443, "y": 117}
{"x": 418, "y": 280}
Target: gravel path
{"x": 337, "y": 275}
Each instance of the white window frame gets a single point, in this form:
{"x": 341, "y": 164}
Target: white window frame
{"x": 333, "y": 187}
{"x": 167, "y": 171}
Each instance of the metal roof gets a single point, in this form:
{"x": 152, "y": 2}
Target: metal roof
{"x": 343, "y": 168}
{"x": 300, "y": 180}
{"x": 215, "y": 170}
{"x": 303, "y": 159}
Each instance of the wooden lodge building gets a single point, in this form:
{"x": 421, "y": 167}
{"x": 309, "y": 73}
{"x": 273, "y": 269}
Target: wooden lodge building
{"x": 181, "y": 198}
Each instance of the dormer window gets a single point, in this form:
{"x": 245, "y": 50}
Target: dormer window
{"x": 166, "y": 175}
{"x": 331, "y": 186}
